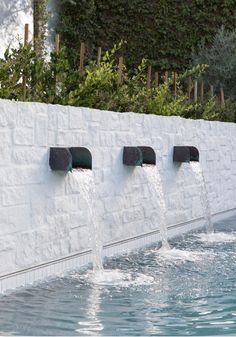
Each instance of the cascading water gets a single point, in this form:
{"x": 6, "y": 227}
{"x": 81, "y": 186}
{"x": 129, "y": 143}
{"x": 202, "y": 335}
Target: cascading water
{"x": 85, "y": 181}
{"x": 156, "y": 186}
{"x": 197, "y": 169}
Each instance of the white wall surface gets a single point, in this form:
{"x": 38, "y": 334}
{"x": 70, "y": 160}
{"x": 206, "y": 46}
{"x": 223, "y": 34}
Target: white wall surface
{"x": 44, "y": 214}
{"x": 14, "y": 14}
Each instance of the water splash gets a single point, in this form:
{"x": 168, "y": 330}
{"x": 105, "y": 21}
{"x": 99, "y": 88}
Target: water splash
{"x": 156, "y": 187}
{"x": 86, "y": 184}
{"x": 179, "y": 255}
{"x": 179, "y": 291}
{"x": 115, "y": 278}
{"x": 217, "y": 237}
{"x": 197, "y": 169}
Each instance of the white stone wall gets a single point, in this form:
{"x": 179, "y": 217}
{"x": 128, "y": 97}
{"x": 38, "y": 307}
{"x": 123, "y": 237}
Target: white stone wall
{"x": 44, "y": 214}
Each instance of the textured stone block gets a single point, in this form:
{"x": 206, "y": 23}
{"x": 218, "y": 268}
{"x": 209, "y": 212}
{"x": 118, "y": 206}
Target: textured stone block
{"x": 41, "y": 130}
{"x": 23, "y": 136}
{"x": 64, "y": 138}
{"x": 45, "y": 215}
{"x": 52, "y": 117}
{"x": 5, "y": 155}
{"x": 25, "y": 155}
{"x": 7, "y": 261}
{"x": 76, "y": 118}
{"x": 63, "y": 118}
{"x": 5, "y": 138}
{"x": 24, "y": 116}
{"x": 15, "y": 196}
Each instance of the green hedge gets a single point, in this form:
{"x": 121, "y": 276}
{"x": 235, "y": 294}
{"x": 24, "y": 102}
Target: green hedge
{"x": 163, "y": 31}
{"x": 55, "y": 81}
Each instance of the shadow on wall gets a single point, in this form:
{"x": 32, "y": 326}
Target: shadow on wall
{"x": 14, "y": 14}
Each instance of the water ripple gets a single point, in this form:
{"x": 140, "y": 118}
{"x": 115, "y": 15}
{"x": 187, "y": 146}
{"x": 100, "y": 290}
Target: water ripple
{"x": 189, "y": 290}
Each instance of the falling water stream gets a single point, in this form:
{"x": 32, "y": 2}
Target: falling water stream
{"x": 156, "y": 186}
{"x": 99, "y": 275}
{"x": 187, "y": 290}
{"x": 197, "y": 169}
{"x": 85, "y": 180}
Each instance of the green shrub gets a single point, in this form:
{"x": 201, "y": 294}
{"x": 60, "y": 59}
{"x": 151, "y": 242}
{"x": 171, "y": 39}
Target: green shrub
{"x": 162, "y": 31}
{"x": 221, "y": 59}
{"x": 55, "y": 81}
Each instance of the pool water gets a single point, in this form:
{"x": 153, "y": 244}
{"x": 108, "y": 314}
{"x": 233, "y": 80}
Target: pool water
{"x": 190, "y": 290}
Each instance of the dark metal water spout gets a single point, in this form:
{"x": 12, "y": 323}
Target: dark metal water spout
{"x": 185, "y": 154}
{"x": 138, "y": 155}
{"x": 60, "y": 159}
{"x": 66, "y": 159}
{"x": 81, "y": 157}
{"x": 149, "y": 155}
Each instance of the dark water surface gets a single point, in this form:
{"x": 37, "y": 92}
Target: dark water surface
{"x": 190, "y": 290}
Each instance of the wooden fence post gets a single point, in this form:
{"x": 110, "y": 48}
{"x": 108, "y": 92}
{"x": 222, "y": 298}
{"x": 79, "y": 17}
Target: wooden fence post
{"x": 222, "y": 97}
{"x": 81, "y": 62}
{"x": 195, "y": 91}
{"x": 166, "y": 76}
{"x": 57, "y": 50}
{"x": 175, "y": 83}
{"x": 211, "y": 91}
{"x": 99, "y": 56}
{"x": 26, "y": 41}
{"x": 189, "y": 87}
{"x": 26, "y": 34}
{"x": 120, "y": 70}
{"x": 57, "y": 43}
{"x": 202, "y": 90}
{"x": 149, "y": 75}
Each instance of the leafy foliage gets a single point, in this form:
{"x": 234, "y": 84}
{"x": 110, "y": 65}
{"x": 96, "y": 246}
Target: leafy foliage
{"x": 56, "y": 81}
{"x": 221, "y": 59}
{"x": 162, "y": 31}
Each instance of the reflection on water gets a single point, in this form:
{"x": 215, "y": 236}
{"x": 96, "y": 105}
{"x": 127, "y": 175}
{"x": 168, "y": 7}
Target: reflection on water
{"x": 189, "y": 290}
{"x": 91, "y": 324}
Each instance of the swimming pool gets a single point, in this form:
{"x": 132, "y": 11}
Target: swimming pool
{"x": 190, "y": 290}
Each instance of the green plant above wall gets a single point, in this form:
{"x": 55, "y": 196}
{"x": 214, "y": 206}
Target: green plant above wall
{"x": 221, "y": 59}
{"x": 103, "y": 86}
{"x": 162, "y": 31}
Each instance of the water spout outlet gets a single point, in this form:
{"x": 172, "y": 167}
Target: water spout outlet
{"x": 138, "y": 155}
{"x": 185, "y": 154}
{"x": 66, "y": 159}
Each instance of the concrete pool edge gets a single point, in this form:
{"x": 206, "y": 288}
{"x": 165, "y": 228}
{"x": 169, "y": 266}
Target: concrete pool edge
{"x": 42, "y": 271}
